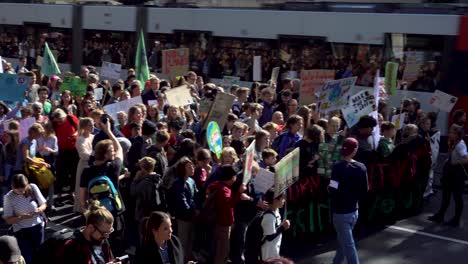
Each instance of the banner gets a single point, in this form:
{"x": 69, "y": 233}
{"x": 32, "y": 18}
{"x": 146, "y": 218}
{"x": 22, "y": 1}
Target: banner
{"x": 24, "y": 126}
{"x": 13, "y": 87}
{"x": 249, "y": 158}
{"x": 414, "y": 60}
{"x": 229, "y": 81}
{"x": 179, "y": 96}
{"x": 141, "y": 62}
{"x": 113, "y": 109}
{"x": 311, "y": 81}
{"x": 263, "y": 181}
{"x": 49, "y": 66}
{"x": 334, "y": 94}
{"x": 175, "y": 62}
{"x": 287, "y": 171}
{"x": 443, "y": 101}
{"x": 275, "y": 74}
{"x": 220, "y": 108}
{"x": 75, "y": 85}
{"x": 214, "y": 138}
{"x": 391, "y": 71}
{"x": 257, "y": 68}
{"x": 360, "y": 104}
{"x": 111, "y": 71}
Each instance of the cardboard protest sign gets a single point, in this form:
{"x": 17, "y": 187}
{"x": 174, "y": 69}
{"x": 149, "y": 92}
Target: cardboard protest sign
{"x": 219, "y": 109}
{"x": 414, "y": 60}
{"x": 275, "y": 74}
{"x": 179, "y": 96}
{"x": 360, "y": 104}
{"x": 24, "y": 126}
{"x": 287, "y": 171}
{"x": 398, "y": 44}
{"x": 13, "y": 87}
{"x": 113, "y": 109}
{"x": 257, "y": 68}
{"x": 75, "y": 85}
{"x": 249, "y": 158}
{"x": 311, "y": 81}
{"x": 391, "y": 71}
{"x": 205, "y": 106}
{"x": 375, "y": 113}
{"x": 399, "y": 120}
{"x": 264, "y": 180}
{"x": 175, "y": 62}
{"x": 110, "y": 71}
{"x": 98, "y": 94}
{"x": 334, "y": 94}
{"x": 443, "y": 101}
{"x": 214, "y": 138}
{"x": 152, "y": 102}
{"x": 229, "y": 81}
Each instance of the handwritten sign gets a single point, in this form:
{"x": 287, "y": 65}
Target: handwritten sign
{"x": 391, "y": 71}
{"x": 414, "y": 60}
{"x": 275, "y": 74}
{"x": 249, "y": 159}
{"x": 264, "y": 180}
{"x": 334, "y": 94}
{"x": 13, "y": 87}
{"x": 98, "y": 94}
{"x": 111, "y": 71}
{"x": 179, "y": 96}
{"x": 113, "y": 109}
{"x": 311, "y": 81}
{"x": 360, "y": 104}
{"x": 287, "y": 171}
{"x": 443, "y": 101}
{"x": 175, "y": 62}
{"x": 24, "y": 126}
{"x": 399, "y": 120}
{"x": 257, "y": 68}
{"x": 75, "y": 85}
{"x": 221, "y": 106}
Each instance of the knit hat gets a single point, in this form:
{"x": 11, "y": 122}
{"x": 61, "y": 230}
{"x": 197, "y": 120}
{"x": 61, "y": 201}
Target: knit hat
{"x": 349, "y": 145}
{"x": 9, "y": 249}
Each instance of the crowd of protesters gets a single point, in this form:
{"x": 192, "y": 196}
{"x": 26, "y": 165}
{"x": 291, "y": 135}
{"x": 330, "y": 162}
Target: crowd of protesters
{"x": 158, "y": 174}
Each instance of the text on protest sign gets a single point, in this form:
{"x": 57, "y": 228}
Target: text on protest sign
{"x": 220, "y": 108}
{"x": 179, "y": 96}
{"x": 360, "y": 104}
{"x": 311, "y": 81}
{"x": 334, "y": 94}
{"x": 98, "y": 94}
{"x": 287, "y": 171}
{"x": 175, "y": 62}
{"x": 12, "y": 87}
{"x": 123, "y": 106}
{"x": 263, "y": 181}
{"x": 110, "y": 71}
{"x": 443, "y": 101}
{"x": 275, "y": 74}
{"x": 249, "y": 159}
{"x": 414, "y": 60}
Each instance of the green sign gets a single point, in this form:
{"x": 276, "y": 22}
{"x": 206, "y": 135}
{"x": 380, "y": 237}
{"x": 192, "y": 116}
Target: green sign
{"x": 75, "y": 85}
{"x": 214, "y": 138}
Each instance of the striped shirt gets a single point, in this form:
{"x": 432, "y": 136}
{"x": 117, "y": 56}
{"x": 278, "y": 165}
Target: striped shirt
{"x": 15, "y": 204}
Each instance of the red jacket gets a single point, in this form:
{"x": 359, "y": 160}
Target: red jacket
{"x": 65, "y": 133}
{"x": 224, "y": 203}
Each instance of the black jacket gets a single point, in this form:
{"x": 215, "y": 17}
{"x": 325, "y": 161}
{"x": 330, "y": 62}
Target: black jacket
{"x": 149, "y": 252}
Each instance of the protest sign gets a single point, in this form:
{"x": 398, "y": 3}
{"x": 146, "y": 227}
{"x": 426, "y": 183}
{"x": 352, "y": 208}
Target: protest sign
{"x": 179, "y": 96}
{"x": 287, "y": 171}
{"x": 263, "y": 181}
{"x": 399, "y": 120}
{"x": 214, "y": 138}
{"x": 249, "y": 158}
{"x": 205, "y": 106}
{"x": 360, "y": 104}
{"x": 1, "y": 65}
{"x": 175, "y": 62}
{"x": 229, "y": 81}
{"x": 13, "y": 87}
{"x": 311, "y": 81}
{"x": 391, "y": 71}
{"x": 398, "y": 44}
{"x": 152, "y": 102}
{"x": 382, "y": 91}
{"x": 334, "y": 94}
{"x": 414, "y": 60}
{"x": 375, "y": 114}
{"x": 113, "y": 109}
{"x": 219, "y": 109}
{"x": 111, "y": 71}
{"x": 98, "y": 94}
{"x": 75, "y": 85}
{"x": 275, "y": 74}
{"x": 24, "y": 126}
{"x": 257, "y": 68}
{"x": 443, "y": 101}
{"x": 6, "y": 124}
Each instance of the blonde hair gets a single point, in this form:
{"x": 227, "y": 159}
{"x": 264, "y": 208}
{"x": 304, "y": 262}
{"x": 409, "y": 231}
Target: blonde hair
{"x": 84, "y": 122}
{"x": 97, "y": 214}
{"x": 229, "y": 151}
{"x": 36, "y": 128}
{"x": 48, "y": 129}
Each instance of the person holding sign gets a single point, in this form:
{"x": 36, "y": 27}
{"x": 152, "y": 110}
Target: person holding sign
{"x": 348, "y": 185}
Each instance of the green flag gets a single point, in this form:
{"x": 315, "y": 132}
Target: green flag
{"x": 141, "y": 62}
{"x": 49, "y": 66}
{"x": 391, "y": 71}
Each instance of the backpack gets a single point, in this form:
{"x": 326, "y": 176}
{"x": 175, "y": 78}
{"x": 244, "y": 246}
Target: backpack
{"x": 50, "y": 250}
{"x": 277, "y": 141}
{"x": 254, "y": 239}
{"x": 157, "y": 194}
{"x": 101, "y": 188}
{"x": 41, "y": 175}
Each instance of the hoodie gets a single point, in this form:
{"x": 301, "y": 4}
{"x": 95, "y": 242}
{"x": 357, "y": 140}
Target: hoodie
{"x": 225, "y": 201}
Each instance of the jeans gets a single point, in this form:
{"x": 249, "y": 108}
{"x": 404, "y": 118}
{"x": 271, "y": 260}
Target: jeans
{"x": 237, "y": 246}
{"x": 344, "y": 224}
{"x": 29, "y": 240}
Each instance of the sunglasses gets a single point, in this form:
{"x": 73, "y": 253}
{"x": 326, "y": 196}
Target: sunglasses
{"x": 104, "y": 233}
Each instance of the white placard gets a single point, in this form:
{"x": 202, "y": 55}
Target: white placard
{"x": 443, "y": 101}
{"x": 98, "y": 93}
{"x": 1, "y": 65}
{"x": 113, "y": 109}
{"x": 264, "y": 180}
{"x": 152, "y": 102}
{"x": 179, "y": 96}
{"x": 399, "y": 120}
{"x": 111, "y": 71}
{"x": 360, "y": 105}
{"x": 249, "y": 159}
{"x": 257, "y": 68}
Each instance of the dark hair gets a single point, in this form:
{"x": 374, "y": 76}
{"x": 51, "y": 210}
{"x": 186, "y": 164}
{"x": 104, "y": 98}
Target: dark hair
{"x": 269, "y": 196}
{"x": 203, "y": 154}
{"x": 116, "y": 87}
{"x": 180, "y": 167}
{"x": 42, "y": 89}
{"x": 386, "y": 126}
{"x": 227, "y": 172}
{"x": 151, "y": 223}
{"x": 19, "y": 181}
{"x": 314, "y": 132}
{"x": 457, "y": 115}
{"x": 162, "y": 136}
{"x": 186, "y": 148}
{"x": 188, "y": 133}
{"x": 292, "y": 120}
{"x": 366, "y": 122}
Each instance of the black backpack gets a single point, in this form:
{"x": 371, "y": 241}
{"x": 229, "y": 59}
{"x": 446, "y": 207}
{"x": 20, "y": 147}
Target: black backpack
{"x": 52, "y": 249}
{"x": 158, "y": 198}
{"x": 254, "y": 239}
{"x": 277, "y": 141}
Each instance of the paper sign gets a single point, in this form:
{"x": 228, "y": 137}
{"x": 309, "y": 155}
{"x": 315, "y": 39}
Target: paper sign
{"x": 360, "y": 104}
{"x": 399, "y": 120}
{"x": 175, "y": 62}
{"x": 110, "y": 71}
{"x": 249, "y": 159}
{"x": 179, "y": 96}
{"x": 334, "y": 94}
{"x": 214, "y": 138}
{"x": 264, "y": 180}
{"x": 98, "y": 93}
{"x": 287, "y": 172}
{"x": 24, "y": 126}
{"x": 1, "y": 65}
{"x": 39, "y": 61}
{"x": 311, "y": 81}
{"x": 75, "y": 85}
{"x": 414, "y": 60}
{"x": 333, "y": 184}
{"x": 275, "y": 74}
{"x": 398, "y": 45}
{"x": 205, "y": 106}
{"x": 443, "y": 101}
{"x": 391, "y": 71}
{"x": 113, "y": 109}
{"x": 229, "y": 81}
{"x": 152, "y": 102}
{"x": 12, "y": 87}
{"x": 220, "y": 108}
{"x": 257, "y": 68}
{"x": 382, "y": 91}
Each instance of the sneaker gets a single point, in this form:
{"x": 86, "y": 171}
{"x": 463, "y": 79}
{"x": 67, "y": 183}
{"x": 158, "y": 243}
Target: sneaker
{"x": 437, "y": 218}
{"x": 453, "y": 223}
